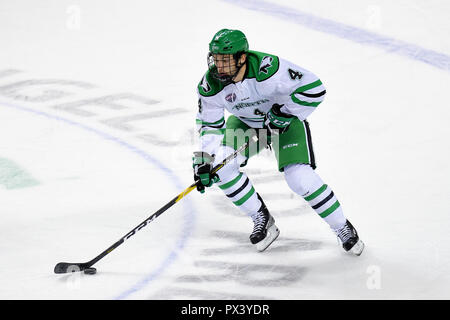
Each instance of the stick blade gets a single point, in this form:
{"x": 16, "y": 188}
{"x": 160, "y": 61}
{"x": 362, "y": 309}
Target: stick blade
{"x": 65, "y": 267}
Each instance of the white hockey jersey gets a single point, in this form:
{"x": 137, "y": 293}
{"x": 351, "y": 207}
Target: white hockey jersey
{"x": 268, "y": 80}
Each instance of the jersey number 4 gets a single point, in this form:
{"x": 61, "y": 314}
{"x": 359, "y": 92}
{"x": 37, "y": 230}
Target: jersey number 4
{"x": 294, "y": 74}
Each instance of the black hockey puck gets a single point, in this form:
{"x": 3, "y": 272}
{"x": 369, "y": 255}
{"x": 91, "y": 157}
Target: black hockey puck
{"x": 90, "y": 271}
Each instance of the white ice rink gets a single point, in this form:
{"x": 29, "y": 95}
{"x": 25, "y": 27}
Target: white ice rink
{"x": 97, "y": 115}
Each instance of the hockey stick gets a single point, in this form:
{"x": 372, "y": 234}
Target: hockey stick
{"x": 65, "y": 267}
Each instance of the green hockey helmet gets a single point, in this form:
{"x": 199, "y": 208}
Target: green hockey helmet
{"x": 226, "y": 45}
{"x": 228, "y": 41}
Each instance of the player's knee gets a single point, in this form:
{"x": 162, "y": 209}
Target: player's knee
{"x": 302, "y": 179}
{"x": 228, "y": 172}
{"x": 231, "y": 169}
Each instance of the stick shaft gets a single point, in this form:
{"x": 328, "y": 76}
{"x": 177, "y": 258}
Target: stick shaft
{"x": 170, "y": 203}
{"x": 62, "y": 267}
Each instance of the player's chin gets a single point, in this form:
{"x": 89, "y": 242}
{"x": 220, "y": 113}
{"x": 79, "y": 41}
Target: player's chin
{"x": 225, "y": 77}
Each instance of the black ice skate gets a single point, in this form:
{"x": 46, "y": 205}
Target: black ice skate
{"x": 350, "y": 239}
{"x": 264, "y": 231}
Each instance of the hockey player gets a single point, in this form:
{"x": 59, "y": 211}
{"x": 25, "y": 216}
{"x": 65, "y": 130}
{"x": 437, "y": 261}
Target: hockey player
{"x": 262, "y": 92}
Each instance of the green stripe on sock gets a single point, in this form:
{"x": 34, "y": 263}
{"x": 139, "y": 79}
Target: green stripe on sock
{"x": 230, "y": 183}
{"x": 245, "y": 198}
{"x": 330, "y": 210}
{"x": 198, "y": 121}
{"x": 316, "y": 193}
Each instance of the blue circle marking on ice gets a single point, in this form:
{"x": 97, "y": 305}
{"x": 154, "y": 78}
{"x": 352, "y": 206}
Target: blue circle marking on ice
{"x": 189, "y": 210}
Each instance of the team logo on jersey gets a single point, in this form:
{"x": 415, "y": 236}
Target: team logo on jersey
{"x": 265, "y": 64}
{"x": 231, "y": 97}
{"x": 243, "y": 105}
{"x": 205, "y": 85}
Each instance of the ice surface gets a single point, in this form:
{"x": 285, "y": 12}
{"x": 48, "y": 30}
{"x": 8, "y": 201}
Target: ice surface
{"x": 97, "y": 108}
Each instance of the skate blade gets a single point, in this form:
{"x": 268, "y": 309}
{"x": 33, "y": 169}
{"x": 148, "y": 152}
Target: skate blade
{"x": 358, "y": 248}
{"x": 272, "y": 234}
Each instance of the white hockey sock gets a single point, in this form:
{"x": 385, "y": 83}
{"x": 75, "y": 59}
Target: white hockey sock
{"x": 303, "y": 180}
{"x": 241, "y": 191}
{"x": 236, "y": 185}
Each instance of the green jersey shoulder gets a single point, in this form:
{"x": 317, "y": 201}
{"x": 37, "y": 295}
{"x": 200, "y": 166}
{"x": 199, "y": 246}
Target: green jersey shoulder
{"x": 209, "y": 86}
{"x": 260, "y": 66}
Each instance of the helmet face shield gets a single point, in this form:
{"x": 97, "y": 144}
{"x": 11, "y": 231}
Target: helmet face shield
{"x": 223, "y": 67}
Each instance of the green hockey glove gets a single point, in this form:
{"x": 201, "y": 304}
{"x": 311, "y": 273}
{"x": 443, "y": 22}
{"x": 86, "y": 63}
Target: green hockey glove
{"x": 202, "y": 164}
{"x": 275, "y": 119}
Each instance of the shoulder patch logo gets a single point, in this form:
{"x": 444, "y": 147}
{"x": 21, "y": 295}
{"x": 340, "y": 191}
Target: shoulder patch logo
{"x": 265, "y": 64}
{"x": 231, "y": 97}
{"x": 205, "y": 85}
